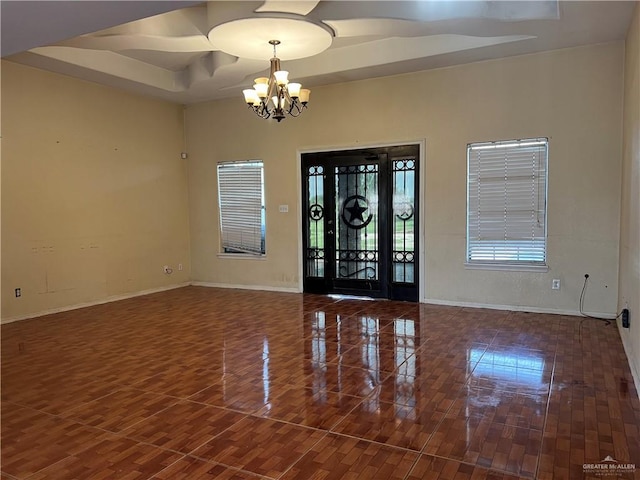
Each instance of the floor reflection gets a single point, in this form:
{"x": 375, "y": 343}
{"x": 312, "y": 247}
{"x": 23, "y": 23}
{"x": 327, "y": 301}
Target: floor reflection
{"x": 510, "y": 366}
{"x": 242, "y": 379}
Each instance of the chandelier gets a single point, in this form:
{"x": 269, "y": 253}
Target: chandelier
{"x": 275, "y": 97}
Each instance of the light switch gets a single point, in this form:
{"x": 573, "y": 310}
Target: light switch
{"x": 283, "y": 208}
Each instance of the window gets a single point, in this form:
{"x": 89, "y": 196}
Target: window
{"x": 507, "y": 203}
{"x": 241, "y": 204}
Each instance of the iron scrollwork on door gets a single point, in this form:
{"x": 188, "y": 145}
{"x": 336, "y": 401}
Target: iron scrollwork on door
{"x": 369, "y": 272}
{"x": 354, "y": 207}
{"x": 316, "y": 212}
{"x": 404, "y": 211}
{"x": 359, "y": 256}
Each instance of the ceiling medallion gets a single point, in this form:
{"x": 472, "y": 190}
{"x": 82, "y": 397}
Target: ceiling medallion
{"x": 252, "y": 38}
{"x": 248, "y": 38}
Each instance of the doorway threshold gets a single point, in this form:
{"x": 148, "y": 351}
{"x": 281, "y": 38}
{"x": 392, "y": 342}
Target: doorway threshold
{"x": 338, "y": 296}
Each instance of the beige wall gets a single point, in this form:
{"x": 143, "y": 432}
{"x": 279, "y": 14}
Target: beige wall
{"x": 629, "y": 289}
{"x": 572, "y": 96}
{"x": 94, "y": 193}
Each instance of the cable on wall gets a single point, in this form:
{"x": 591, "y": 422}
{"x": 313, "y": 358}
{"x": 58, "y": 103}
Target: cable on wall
{"x": 582, "y": 295}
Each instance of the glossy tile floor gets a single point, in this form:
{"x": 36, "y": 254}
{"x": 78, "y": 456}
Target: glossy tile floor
{"x": 201, "y": 383}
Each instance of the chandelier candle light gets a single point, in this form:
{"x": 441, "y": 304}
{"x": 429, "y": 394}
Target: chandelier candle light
{"x": 275, "y": 96}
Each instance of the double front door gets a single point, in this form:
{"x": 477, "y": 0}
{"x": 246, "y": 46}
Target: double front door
{"x": 360, "y": 217}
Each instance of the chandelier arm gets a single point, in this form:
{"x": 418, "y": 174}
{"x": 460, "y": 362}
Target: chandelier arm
{"x": 265, "y": 112}
{"x": 281, "y": 107}
{"x": 273, "y": 90}
{"x": 274, "y": 67}
{"x": 292, "y": 109}
{"x": 295, "y": 109}
{"x": 260, "y": 111}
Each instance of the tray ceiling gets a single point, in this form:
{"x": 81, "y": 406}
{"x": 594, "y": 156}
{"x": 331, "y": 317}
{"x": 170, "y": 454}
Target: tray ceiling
{"x": 189, "y": 52}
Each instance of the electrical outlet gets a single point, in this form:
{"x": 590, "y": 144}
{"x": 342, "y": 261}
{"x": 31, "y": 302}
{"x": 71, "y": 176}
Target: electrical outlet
{"x": 18, "y": 292}
{"x": 555, "y": 284}
{"x": 625, "y": 318}
{"x": 180, "y": 266}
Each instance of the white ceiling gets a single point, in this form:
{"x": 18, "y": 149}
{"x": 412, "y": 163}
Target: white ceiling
{"x": 187, "y": 52}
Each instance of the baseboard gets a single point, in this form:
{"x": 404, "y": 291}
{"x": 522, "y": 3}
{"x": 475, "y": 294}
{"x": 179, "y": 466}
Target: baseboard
{"x": 515, "y": 308}
{"x": 113, "y": 298}
{"x": 519, "y": 308}
{"x": 247, "y": 287}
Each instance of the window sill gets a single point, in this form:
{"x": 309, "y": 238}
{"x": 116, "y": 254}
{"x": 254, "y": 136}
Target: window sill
{"x": 506, "y": 267}
{"x": 241, "y": 256}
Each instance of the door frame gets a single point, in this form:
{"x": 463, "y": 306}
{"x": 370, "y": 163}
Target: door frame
{"x": 420, "y": 263}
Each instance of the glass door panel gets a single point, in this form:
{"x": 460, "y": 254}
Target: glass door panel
{"x": 357, "y": 222}
{"x": 403, "y": 222}
{"x": 315, "y": 257}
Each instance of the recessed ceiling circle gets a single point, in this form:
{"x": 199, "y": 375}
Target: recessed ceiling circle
{"x": 249, "y": 38}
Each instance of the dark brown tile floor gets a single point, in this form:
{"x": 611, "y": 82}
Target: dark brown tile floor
{"x": 200, "y": 383}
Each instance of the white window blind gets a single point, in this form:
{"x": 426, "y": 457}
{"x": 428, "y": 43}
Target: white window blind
{"x": 241, "y": 204}
{"x": 507, "y": 202}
